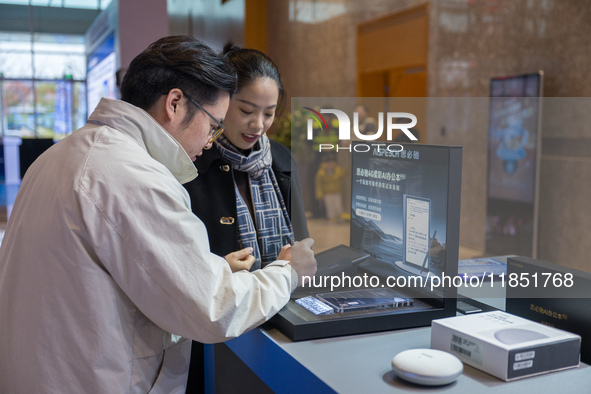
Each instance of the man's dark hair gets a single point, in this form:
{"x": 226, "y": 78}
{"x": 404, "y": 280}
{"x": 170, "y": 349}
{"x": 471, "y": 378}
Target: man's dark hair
{"x": 251, "y": 64}
{"x": 181, "y": 62}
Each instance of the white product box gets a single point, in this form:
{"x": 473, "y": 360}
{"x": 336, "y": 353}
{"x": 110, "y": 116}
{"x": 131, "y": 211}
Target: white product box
{"x": 506, "y": 346}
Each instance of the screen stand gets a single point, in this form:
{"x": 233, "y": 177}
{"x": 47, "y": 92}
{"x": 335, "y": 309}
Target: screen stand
{"x": 411, "y": 269}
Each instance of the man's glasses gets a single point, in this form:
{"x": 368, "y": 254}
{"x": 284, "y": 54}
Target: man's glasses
{"x": 214, "y": 132}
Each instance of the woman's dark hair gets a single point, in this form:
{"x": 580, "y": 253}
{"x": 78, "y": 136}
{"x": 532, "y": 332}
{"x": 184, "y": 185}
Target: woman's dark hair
{"x": 250, "y": 64}
{"x": 181, "y": 62}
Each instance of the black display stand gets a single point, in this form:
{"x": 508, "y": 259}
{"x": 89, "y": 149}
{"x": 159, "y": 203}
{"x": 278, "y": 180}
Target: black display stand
{"x": 551, "y": 294}
{"x": 386, "y": 178}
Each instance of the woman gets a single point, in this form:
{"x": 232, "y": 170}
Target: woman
{"x": 248, "y": 176}
{"x": 252, "y": 178}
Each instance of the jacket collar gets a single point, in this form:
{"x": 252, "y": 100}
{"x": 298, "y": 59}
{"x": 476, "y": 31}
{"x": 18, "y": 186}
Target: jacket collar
{"x": 207, "y": 159}
{"x": 143, "y": 129}
{"x": 281, "y": 159}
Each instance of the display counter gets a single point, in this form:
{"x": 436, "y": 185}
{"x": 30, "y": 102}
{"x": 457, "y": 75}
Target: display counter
{"x": 265, "y": 360}
{"x": 359, "y": 364}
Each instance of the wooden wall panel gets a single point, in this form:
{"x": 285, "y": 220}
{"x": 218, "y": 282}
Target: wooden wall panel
{"x": 397, "y": 40}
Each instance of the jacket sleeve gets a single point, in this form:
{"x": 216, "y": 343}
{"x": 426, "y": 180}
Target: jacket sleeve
{"x": 156, "y": 250}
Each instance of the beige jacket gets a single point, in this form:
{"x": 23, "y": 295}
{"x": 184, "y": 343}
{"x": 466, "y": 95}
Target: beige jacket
{"x": 104, "y": 270}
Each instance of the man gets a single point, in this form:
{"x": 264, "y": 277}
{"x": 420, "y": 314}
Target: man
{"x": 104, "y": 270}
{"x": 367, "y": 124}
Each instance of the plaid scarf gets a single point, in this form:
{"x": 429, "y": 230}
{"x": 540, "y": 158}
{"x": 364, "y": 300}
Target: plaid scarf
{"x": 266, "y": 233}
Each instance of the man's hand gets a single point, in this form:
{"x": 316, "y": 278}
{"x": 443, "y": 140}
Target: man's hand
{"x": 302, "y": 258}
{"x": 240, "y": 260}
{"x": 285, "y": 253}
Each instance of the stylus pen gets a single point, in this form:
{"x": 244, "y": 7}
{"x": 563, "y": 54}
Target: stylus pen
{"x": 288, "y": 240}
{"x": 428, "y": 252}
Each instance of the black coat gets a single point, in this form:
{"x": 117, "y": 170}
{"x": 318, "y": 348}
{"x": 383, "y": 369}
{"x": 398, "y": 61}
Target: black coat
{"x": 213, "y": 198}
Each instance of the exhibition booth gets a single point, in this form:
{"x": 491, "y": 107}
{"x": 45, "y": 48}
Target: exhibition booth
{"x": 384, "y": 303}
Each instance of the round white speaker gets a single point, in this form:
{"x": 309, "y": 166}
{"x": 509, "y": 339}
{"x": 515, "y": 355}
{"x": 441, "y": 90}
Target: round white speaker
{"x": 429, "y": 367}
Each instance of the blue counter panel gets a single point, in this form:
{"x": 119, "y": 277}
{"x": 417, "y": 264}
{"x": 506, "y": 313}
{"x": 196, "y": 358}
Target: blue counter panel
{"x": 281, "y": 372}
